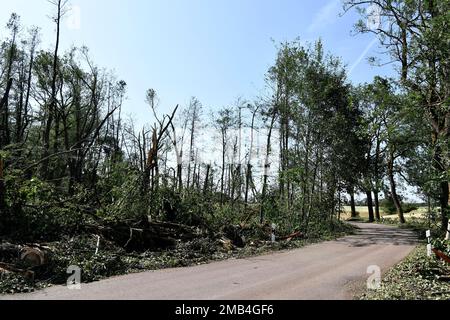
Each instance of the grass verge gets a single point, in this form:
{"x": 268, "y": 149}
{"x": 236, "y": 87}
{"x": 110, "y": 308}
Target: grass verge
{"x": 418, "y": 277}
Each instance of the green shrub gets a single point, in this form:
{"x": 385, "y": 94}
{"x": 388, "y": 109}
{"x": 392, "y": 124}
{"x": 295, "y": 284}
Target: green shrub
{"x": 389, "y": 206}
{"x": 408, "y": 207}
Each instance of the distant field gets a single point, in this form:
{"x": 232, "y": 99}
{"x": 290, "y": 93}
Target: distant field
{"x": 362, "y": 210}
{"x": 364, "y": 213}
{"x": 420, "y": 213}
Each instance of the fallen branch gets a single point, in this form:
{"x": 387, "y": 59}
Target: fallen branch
{"x": 297, "y": 234}
{"x": 8, "y": 268}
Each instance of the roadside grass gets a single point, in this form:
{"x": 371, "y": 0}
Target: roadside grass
{"x": 418, "y": 277}
{"x": 420, "y": 224}
{"x": 114, "y": 261}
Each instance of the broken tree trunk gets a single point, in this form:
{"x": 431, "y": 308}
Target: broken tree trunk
{"x": 31, "y": 255}
{"x": 2, "y": 193}
{"x": 447, "y": 236}
{"x": 4, "y": 116}
{"x": 294, "y": 235}
{"x": 34, "y": 256}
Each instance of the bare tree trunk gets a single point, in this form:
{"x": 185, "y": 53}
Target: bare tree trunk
{"x": 5, "y": 134}
{"x": 266, "y": 169}
{"x": 29, "y": 78}
{"x": 229, "y": 180}
{"x": 394, "y": 194}
{"x": 206, "y": 185}
{"x": 305, "y": 175}
{"x": 377, "y": 205}
{"x": 376, "y": 190}
{"x": 51, "y": 108}
{"x": 222, "y": 179}
{"x": 352, "y": 203}
{"x": 195, "y": 109}
{"x": 444, "y": 200}
{"x": 194, "y": 174}
{"x": 188, "y": 181}
{"x": 2, "y": 190}
{"x": 248, "y": 175}
{"x": 239, "y": 160}
{"x": 447, "y": 236}
{"x": 4, "y": 114}
{"x": 370, "y": 206}
{"x": 179, "y": 155}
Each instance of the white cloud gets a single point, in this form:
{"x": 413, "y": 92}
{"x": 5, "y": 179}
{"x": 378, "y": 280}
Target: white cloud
{"x": 326, "y": 16}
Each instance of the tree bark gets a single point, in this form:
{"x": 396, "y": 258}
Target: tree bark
{"x": 377, "y": 205}
{"x": 179, "y": 155}
{"x": 2, "y": 191}
{"x": 248, "y": 176}
{"x": 266, "y": 170}
{"x": 4, "y": 114}
{"x": 222, "y": 179}
{"x": 377, "y": 179}
{"x": 370, "y": 206}
{"x": 29, "y": 78}
{"x": 51, "y": 109}
{"x": 206, "y": 185}
{"x": 394, "y": 195}
{"x": 447, "y": 236}
{"x": 352, "y": 204}
{"x": 444, "y": 200}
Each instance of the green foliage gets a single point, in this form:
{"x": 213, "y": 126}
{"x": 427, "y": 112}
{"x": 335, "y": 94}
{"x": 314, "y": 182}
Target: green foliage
{"x": 78, "y": 166}
{"x": 389, "y": 206}
{"x": 39, "y": 211}
{"x": 12, "y": 283}
{"x": 418, "y": 277}
{"x": 80, "y": 251}
{"x": 442, "y": 245}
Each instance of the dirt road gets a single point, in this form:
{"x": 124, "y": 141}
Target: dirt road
{"x": 329, "y": 270}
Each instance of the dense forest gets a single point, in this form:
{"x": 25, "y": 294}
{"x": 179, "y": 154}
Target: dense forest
{"x": 72, "y": 164}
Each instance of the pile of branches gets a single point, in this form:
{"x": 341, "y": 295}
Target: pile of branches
{"x": 146, "y": 235}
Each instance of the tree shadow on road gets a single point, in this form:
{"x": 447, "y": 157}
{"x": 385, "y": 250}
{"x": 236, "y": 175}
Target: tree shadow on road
{"x": 372, "y": 235}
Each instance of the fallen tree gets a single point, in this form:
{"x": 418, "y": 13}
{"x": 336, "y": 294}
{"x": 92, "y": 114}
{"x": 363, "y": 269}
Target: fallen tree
{"x": 145, "y": 235}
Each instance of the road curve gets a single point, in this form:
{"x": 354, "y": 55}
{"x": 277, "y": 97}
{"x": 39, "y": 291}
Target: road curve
{"x": 332, "y": 270}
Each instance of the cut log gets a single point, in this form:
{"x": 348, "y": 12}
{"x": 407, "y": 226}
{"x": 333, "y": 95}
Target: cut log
{"x": 33, "y": 257}
{"x": 292, "y": 236}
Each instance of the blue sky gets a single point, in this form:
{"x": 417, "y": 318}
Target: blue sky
{"x": 216, "y": 50}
